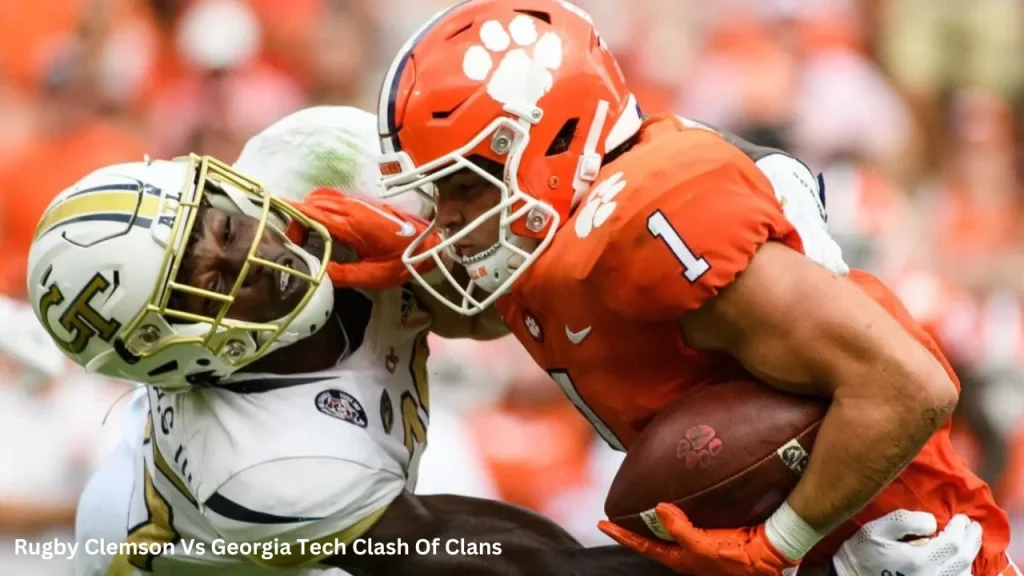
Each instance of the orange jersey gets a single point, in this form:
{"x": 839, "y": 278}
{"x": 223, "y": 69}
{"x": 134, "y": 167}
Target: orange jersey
{"x": 666, "y": 227}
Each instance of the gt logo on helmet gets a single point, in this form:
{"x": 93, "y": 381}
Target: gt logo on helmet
{"x": 80, "y": 319}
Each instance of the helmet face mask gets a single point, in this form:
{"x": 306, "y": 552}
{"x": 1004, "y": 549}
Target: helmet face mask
{"x": 524, "y": 83}
{"x": 105, "y": 284}
{"x": 511, "y": 253}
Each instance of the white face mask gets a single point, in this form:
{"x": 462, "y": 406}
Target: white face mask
{"x": 495, "y": 269}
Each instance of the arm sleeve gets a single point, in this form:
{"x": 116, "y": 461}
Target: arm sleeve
{"x": 296, "y": 498}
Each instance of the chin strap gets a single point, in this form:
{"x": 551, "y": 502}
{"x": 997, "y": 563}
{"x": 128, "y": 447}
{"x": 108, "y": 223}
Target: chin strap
{"x": 589, "y": 165}
{"x": 378, "y": 233}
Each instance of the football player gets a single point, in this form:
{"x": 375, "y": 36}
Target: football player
{"x": 284, "y": 415}
{"x": 139, "y": 497}
{"x": 639, "y": 257}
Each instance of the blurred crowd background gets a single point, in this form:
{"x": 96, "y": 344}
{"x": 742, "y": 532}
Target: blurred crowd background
{"x": 912, "y": 109}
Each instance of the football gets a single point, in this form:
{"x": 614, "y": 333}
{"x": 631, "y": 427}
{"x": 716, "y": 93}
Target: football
{"x": 728, "y": 454}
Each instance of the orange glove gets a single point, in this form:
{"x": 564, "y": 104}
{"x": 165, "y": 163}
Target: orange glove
{"x": 378, "y": 233}
{"x": 717, "y": 552}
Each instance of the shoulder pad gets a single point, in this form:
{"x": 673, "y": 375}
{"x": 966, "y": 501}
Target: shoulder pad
{"x": 686, "y": 230}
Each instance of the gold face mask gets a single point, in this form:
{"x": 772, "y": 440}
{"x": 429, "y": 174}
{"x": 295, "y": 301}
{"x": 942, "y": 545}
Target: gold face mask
{"x": 160, "y": 326}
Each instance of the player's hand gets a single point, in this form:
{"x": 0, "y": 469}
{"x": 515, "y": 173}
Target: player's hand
{"x": 879, "y": 547}
{"x": 719, "y": 552}
{"x": 376, "y": 232}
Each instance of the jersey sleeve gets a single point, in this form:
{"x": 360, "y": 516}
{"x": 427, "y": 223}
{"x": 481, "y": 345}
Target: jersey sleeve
{"x": 317, "y": 499}
{"x": 691, "y": 240}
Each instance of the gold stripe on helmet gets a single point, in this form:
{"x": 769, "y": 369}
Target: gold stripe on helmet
{"x": 112, "y": 205}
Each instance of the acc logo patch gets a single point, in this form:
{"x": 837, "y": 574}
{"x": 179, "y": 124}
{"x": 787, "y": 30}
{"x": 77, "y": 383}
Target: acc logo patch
{"x": 341, "y": 405}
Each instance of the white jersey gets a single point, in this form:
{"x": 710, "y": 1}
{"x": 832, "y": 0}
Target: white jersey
{"x": 802, "y": 198}
{"x": 272, "y": 459}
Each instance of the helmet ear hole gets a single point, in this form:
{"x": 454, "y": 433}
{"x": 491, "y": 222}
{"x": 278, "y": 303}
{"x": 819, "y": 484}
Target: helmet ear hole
{"x": 444, "y": 114}
{"x": 164, "y": 368}
{"x": 123, "y": 353}
{"x": 563, "y": 140}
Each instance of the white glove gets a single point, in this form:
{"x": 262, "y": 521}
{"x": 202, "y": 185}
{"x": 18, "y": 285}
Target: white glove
{"x": 877, "y": 549}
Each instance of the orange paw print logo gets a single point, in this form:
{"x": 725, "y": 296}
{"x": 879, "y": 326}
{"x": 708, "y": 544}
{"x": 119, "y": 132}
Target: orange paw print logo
{"x": 699, "y": 446}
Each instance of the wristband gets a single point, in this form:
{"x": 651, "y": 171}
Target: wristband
{"x": 790, "y": 534}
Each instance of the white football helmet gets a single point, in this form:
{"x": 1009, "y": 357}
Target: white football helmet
{"x": 104, "y": 265}
{"x": 332, "y": 146}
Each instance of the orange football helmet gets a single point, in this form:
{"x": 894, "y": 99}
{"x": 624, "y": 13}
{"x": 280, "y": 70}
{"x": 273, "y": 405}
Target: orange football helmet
{"x": 528, "y": 84}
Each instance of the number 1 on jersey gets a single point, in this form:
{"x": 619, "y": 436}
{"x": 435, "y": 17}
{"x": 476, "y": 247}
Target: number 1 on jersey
{"x": 660, "y": 227}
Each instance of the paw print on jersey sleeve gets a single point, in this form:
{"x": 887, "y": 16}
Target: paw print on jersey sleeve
{"x": 523, "y": 74}
{"x": 600, "y": 205}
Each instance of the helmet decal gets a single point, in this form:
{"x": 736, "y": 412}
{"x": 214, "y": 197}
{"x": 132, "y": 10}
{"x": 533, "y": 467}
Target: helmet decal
{"x": 524, "y": 59}
{"x": 388, "y": 124}
{"x": 110, "y": 203}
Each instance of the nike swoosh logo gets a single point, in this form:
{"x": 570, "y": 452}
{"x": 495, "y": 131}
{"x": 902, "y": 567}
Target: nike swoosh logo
{"x": 405, "y": 229}
{"x": 577, "y": 337}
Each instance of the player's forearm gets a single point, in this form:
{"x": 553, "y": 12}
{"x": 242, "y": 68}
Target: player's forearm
{"x": 859, "y": 449}
{"x": 868, "y": 436}
{"x": 804, "y": 330}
